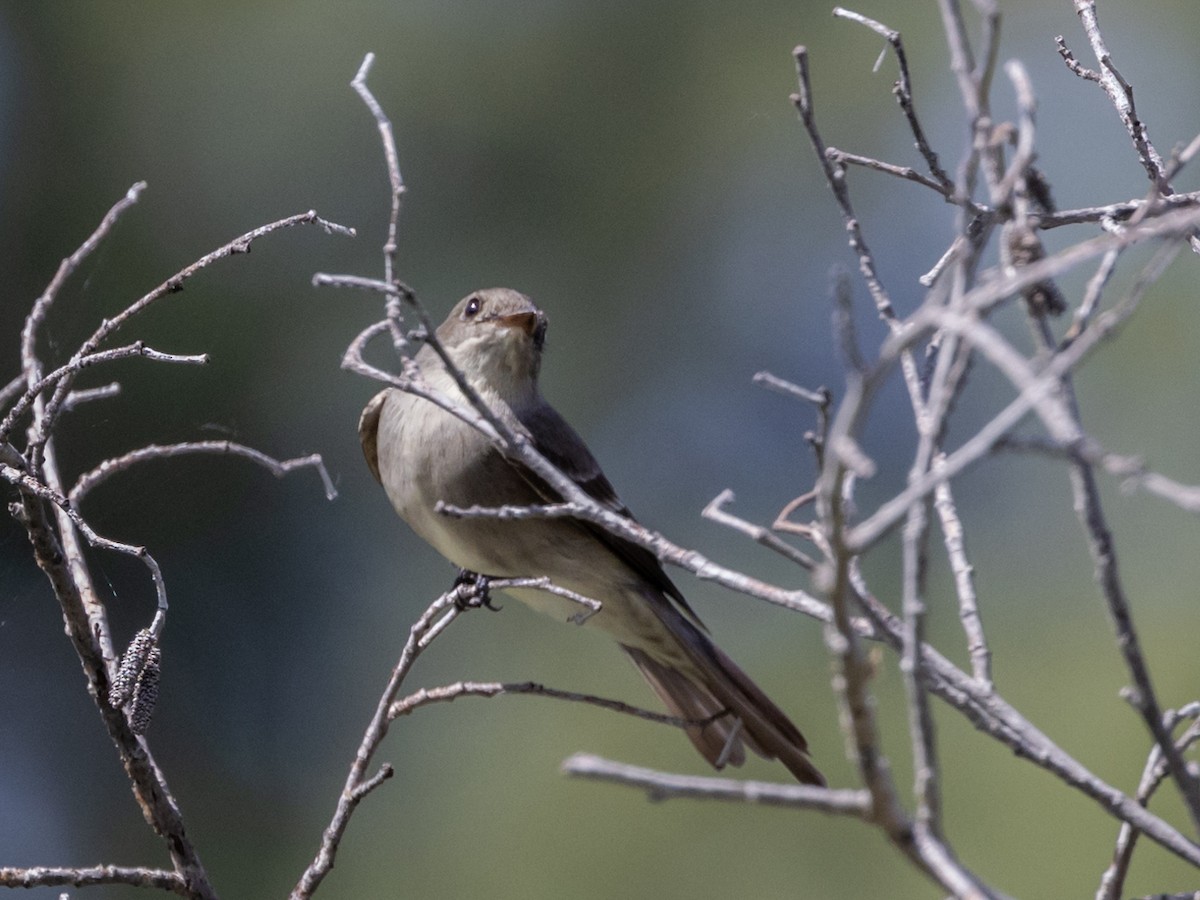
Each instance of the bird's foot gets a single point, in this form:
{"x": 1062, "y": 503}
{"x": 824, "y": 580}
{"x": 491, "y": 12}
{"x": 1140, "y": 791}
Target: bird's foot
{"x": 474, "y": 590}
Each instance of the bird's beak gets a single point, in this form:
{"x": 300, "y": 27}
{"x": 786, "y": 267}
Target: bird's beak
{"x": 528, "y": 322}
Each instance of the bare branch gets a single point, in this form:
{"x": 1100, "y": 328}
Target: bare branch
{"x": 1116, "y": 212}
{"x": 715, "y": 511}
{"x": 44, "y": 424}
{"x": 820, "y": 398}
{"x": 535, "y": 511}
{"x": 56, "y": 876}
{"x": 993, "y": 716}
{"x": 87, "y": 395}
{"x": 55, "y": 526}
{"x": 835, "y": 175}
{"x": 964, "y": 581}
{"x": 439, "y": 614}
{"x": 668, "y": 786}
{"x": 34, "y": 488}
{"x": 914, "y": 550}
{"x": 1036, "y": 393}
{"x": 395, "y": 289}
{"x": 63, "y": 565}
{"x": 392, "y": 159}
{"x": 1091, "y": 297}
{"x": 974, "y": 84}
{"x": 279, "y": 468}
{"x": 1130, "y": 469}
{"x": 844, "y": 158}
{"x": 11, "y": 390}
{"x": 1090, "y": 511}
{"x": 30, "y": 364}
{"x": 904, "y": 96}
{"x": 852, "y": 672}
{"x": 1023, "y": 157}
{"x": 1119, "y": 93}
{"x": 451, "y": 692}
{"x": 433, "y": 622}
{"x": 952, "y": 325}
{"x": 78, "y": 364}
{"x": 982, "y": 707}
{"x": 1112, "y": 882}
{"x": 1073, "y": 64}
{"x": 542, "y": 583}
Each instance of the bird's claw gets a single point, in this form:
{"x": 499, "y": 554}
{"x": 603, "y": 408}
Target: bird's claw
{"x": 475, "y": 591}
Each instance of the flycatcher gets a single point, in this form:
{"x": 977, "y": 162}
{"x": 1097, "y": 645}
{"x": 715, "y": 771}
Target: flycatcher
{"x": 423, "y": 454}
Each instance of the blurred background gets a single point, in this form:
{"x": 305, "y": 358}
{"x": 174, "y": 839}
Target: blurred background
{"x": 639, "y": 171}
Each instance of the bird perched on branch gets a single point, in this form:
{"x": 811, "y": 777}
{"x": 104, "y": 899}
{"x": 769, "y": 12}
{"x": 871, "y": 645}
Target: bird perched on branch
{"x": 423, "y": 455}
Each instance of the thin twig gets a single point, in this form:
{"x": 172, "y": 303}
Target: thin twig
{"x": 1112, "y": 882}
{"x": 279, "y": 468}
{"x": 852, "y": 675}
{"x": 1119, "y": 93}
{"x": 669, "y": 786}
{"x": 64, "y": 566}
{"x": 964, "y": 581}
{"x": 846, "y": 158}
{"x": 533, "y": 511}
{"x": 820, "y": 398}
{"x": 715, "y": 511}
{"x": 44, "y": 425}
{"x": 852, "y": 672}
{"x": 433, "y": 622}
{"x": 358, "y": 784}
{"x": 974, "y": 76}
{"x": 11, "y": 390}
{"x": 1131, "y": 470}
{"x": 1090, "y": 511}
{"x": 1116, "y": 211}
{"x": 914, "y": 565}
{"x": 30, "y": 364}
{"x": 1023, "y": 157}
{"x": 1036, "y": 393}
{"x": 923, "y": 841}
{"x": 34, "y": 488}
{"x": 55, "y": 529}
{"x": 1091, "y": 296}
{"x": 543, "y": 583}
{"x": 984, "y": 708}
{"x": 1073, "y": 64}
{"x": 80, "y": 362}
{"x": 78, "y": 398}
{"x": 88, "y": 876}
{"x": 396, "y": 289}
{"x": 451, "y": 692}
{"x": 904, "y": 96}
{"x": 392, "y": 160}
{"x": 835, "y": 177}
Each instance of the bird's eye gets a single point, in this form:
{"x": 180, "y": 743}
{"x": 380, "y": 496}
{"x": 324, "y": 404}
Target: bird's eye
{"x": 472, "y": 308}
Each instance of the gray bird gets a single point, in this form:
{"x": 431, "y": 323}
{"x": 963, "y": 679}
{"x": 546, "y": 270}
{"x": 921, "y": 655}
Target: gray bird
{"x": 422, "y": 454}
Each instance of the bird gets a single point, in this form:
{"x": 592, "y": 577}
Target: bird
{"x": 427, "y": 458}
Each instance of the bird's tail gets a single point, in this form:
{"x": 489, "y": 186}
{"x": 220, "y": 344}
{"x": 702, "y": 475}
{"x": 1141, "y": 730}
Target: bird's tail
{"x": 736, "y": 711}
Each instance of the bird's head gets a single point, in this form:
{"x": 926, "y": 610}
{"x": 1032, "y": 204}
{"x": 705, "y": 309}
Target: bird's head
{"x": 495, "y": 336}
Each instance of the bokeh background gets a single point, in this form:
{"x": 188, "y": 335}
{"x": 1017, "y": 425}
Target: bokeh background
{"x": 638, "y": 169}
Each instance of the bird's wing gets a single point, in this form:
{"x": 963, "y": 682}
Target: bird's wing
{"x": 368, "y": 431}
{"x": 556, "y": 440}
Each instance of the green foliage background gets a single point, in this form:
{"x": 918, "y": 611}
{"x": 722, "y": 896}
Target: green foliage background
{"x": 638, "y": 169}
